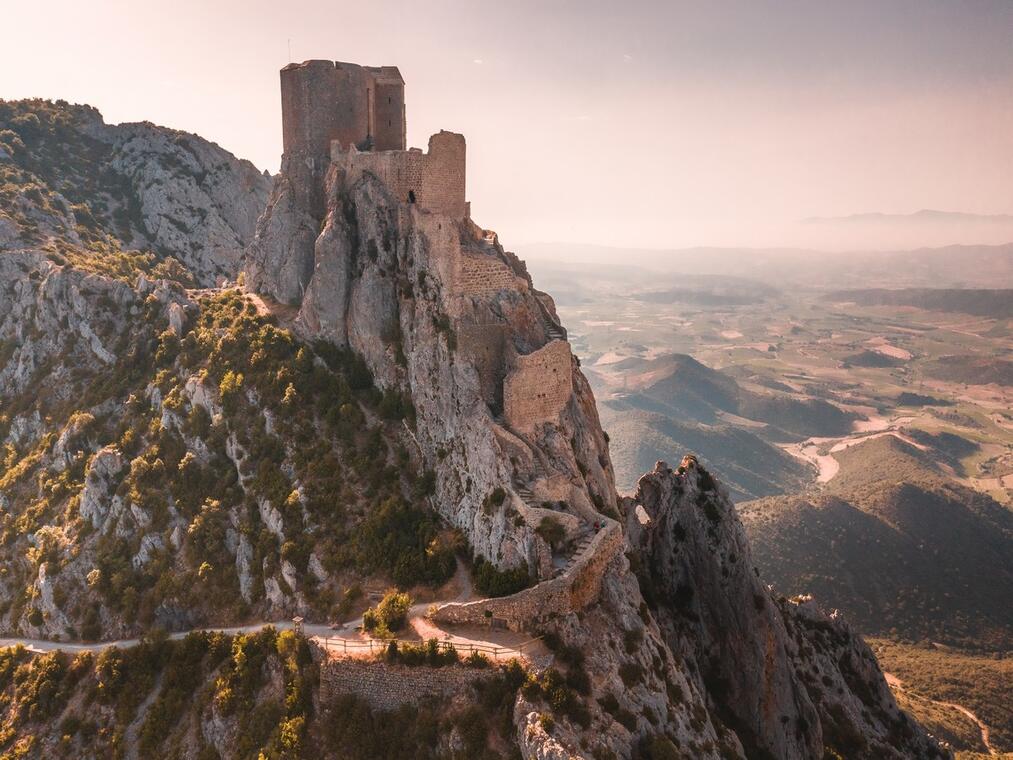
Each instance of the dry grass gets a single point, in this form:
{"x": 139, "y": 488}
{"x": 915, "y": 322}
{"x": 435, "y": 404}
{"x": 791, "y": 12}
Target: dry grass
{"x": 980, "y": 683}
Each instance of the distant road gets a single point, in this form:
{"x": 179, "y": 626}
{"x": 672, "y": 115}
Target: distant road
{"x": 897, "y": 684}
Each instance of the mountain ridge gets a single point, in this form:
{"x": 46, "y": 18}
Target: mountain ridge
{"x": 336, "y": 418}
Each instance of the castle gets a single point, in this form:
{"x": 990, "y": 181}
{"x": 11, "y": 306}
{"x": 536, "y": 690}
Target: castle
{"x": 354, "y": 116}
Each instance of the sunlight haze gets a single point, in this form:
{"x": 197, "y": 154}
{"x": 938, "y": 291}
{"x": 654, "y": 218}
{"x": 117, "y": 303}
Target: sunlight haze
{"x": 638, "y": 124}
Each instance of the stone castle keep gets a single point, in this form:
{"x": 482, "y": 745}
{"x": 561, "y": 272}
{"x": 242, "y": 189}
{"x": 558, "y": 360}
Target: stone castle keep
{"x": 354, "y": 116}
{"x": 351, "y": 118}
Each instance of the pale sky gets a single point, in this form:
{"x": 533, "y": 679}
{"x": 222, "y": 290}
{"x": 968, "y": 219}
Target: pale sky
{"x": 652, "y": 124}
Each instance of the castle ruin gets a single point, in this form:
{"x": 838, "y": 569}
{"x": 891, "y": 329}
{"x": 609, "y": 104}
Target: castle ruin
{"x": 352, "y": 118}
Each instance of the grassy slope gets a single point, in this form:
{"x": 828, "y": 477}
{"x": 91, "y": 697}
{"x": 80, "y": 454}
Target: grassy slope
{"x": 898, "y": 547}
{"x": 980, "y": 683}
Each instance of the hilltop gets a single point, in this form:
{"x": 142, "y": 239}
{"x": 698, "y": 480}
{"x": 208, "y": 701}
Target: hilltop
{"x": 96, "y": 195}
{"x": 374, "y": 394}
{"x": 895, "y": 543}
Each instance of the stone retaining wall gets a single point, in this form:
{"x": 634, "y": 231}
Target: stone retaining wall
{"x": 568, "y": 593}
{"x": 387, "y": 687}
{"x": 539, "y": 387}
{"x": 485, "y": 275}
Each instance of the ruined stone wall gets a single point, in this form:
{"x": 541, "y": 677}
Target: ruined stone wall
{"x": 485, "y": 347}
{"x": 485, "y": 275}
{"x": 570, "y": 592}
{"x": 400, "y": 171}
{"x": 387, "y": 687}
{"x": 539, "y": 387}
{"x": 443, "y": 180}
{"x": 433, "y": 181}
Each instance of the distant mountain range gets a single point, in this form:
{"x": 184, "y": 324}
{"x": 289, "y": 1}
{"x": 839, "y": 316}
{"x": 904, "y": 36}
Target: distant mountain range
{"x": 925, "y": 215}
{"x": 952, "y": 266}
{"x": 996, "y": 304}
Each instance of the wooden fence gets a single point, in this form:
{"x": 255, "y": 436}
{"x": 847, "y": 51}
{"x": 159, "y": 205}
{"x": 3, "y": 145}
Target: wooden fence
{"x": 354, "y": 646}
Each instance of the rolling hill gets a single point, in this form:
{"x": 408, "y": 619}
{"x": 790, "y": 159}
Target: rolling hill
{"x": 677, "y": 404}
{"x": 750, "y": 467}
{"x": 896, "y": 544}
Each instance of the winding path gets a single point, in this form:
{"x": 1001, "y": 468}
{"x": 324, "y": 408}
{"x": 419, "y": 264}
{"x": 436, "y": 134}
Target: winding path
{"x": 346, "y": 638}
{"x": 895, "y": 683}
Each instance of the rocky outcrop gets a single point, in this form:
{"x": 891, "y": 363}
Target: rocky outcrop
{"x": 785, "y": 678}
{"x": 685, "y": 650}
{"x": 154, "y": 189}
{"x": 379, "y": 278}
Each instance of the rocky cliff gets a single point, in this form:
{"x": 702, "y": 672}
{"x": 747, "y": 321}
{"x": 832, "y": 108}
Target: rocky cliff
{"x": 73, "y": 185}
{"x": 174, "y": 456}
{"x": 381, "y": 278}
{"x": 679, "y": 648}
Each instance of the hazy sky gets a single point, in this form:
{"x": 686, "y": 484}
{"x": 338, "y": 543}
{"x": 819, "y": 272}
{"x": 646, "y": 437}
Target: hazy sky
{"x": 638, "y": 123}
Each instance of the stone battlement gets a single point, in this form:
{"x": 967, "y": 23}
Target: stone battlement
{"x": 434, "y": 180}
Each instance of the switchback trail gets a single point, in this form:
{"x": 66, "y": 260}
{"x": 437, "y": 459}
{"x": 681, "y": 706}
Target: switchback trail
{"x": 896, "y": 683}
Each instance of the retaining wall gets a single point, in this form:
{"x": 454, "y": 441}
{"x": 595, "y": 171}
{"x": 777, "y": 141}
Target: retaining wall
{"x": 540, "y": 386}
{"x": 568, "y": 593}
{"x": 387, "y": 687}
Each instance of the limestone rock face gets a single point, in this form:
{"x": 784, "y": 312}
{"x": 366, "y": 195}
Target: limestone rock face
{"x": 97, "y": 495}
{"x": 754, "y": 657}
{"x": 685, "y": 649}
{"x": 840, "y": 672}
{"x": 380, "y": 279}
{"x": 195, "y": 200}
{"x": 148, "y": 188}
{"x": 49, "y": 311}
{"x": 280, "y": 261}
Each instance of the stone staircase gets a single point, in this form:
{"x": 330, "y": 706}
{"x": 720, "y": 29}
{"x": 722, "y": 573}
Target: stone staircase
{"x": 581, "y": 542}
{"x": 554, "y": 331}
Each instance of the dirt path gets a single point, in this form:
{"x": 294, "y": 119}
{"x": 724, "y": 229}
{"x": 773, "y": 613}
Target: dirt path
{"x": 896, "y": 684}
{"x": 347, "y": 638}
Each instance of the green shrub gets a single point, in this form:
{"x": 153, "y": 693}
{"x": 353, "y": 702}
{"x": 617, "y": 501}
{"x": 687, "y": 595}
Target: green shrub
{"x": 390, "y": 615}
{"x": 551, "y": 531}
{"x": 491, "y": 581}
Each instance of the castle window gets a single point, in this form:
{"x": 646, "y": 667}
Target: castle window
{"x": 411, "y": 196}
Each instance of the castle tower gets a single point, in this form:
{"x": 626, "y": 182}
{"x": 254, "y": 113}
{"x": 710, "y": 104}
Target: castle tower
{"x": 356, "y": 105}
{"x": 387, "y": 112}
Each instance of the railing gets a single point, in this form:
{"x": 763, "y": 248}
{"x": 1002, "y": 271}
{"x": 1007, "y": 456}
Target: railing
{"x": 378, "y": 646}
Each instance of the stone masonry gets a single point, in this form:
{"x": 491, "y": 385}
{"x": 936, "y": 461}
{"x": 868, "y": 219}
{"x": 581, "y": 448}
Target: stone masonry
{"x": 570, "y": 592}
{"x": 386, "y": 687}
{"x": 325, "y": 101}
{"x": 539, "y": 387}
{"x": 434, "y": 180}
